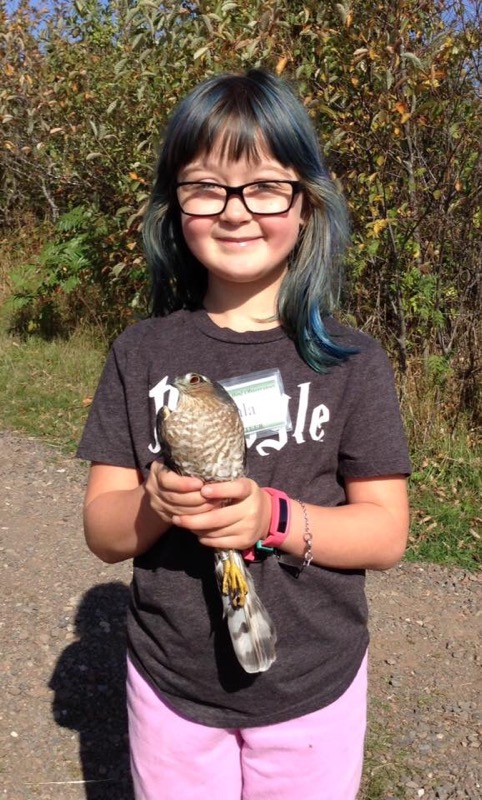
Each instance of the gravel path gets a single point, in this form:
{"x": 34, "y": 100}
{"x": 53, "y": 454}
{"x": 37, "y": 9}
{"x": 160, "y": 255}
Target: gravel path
{"x": 62, "y": 720}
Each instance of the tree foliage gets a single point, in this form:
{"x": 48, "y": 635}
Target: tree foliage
{"x": 392, "y": 85}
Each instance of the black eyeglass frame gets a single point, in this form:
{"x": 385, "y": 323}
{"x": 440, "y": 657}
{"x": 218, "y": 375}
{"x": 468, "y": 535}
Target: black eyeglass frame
{"x": 237, "y": 191}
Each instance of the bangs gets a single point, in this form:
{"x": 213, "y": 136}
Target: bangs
{"x": 233, "y": 139}
{"x": 237, "y": 117}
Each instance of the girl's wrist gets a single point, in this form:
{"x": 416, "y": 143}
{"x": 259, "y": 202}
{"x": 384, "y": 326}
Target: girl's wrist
{"x": 283, "y": 515}
{"x": 276, "y": 523}
{"x": 280, "y": 518}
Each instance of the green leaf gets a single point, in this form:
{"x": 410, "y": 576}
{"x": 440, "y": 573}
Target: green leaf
{"x": 412, "y": 58}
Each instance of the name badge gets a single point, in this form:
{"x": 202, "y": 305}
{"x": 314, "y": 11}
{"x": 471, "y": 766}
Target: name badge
{"x": 261, "y": 401}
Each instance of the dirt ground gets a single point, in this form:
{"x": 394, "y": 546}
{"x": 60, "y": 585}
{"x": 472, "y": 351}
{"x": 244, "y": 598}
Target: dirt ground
{"x": 62, "y": 720}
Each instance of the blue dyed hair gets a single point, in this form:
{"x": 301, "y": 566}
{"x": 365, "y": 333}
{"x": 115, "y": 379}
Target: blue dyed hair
{"x": 243, "y": 114}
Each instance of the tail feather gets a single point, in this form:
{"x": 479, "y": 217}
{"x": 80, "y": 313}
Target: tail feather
{"x": 251, "y": 629}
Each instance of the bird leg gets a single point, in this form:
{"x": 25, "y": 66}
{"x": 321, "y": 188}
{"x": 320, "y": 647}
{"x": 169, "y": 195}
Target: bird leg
{"x": 234, "y": 583}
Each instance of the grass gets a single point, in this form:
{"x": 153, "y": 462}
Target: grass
{"x": 446, "y": 515}
{"x": 46, "y": 387}
{"x": 446, "y": 482}
{"x": 382, "y": 776}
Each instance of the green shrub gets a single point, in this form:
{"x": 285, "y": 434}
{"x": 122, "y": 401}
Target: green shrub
{"x": 68, "y": 285}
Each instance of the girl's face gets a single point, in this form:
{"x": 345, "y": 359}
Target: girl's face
{"x": 237, "y": 246}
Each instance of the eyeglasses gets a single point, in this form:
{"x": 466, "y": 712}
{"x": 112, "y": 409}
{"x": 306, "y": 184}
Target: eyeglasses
{"x": 203, "y": 199}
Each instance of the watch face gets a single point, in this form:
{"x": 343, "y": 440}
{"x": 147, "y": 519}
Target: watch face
{"x": 283, "y": 515}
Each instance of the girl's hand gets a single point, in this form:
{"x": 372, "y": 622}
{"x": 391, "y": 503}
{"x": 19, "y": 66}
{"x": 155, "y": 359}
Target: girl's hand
{"x": 171, "y": 494}
{"x": 239, "y": 515}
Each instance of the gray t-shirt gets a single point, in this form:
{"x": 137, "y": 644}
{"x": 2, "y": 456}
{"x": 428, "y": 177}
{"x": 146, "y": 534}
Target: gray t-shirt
{"x": 344, "y": 424}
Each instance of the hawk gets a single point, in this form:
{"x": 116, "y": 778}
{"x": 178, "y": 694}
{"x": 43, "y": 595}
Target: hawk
{"x": 204, "y": 438}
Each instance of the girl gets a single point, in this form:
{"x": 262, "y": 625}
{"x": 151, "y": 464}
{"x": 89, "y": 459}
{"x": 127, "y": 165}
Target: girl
{"x": 245, "y": 232}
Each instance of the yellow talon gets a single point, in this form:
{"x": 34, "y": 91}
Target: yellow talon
{"x": 234, "y": 584}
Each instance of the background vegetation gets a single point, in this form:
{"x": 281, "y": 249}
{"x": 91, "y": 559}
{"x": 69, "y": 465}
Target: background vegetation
{"x": 393, "y": 87}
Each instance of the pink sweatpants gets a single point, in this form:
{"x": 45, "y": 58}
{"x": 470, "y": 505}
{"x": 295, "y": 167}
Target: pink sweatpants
{"x": 316, "y": 757}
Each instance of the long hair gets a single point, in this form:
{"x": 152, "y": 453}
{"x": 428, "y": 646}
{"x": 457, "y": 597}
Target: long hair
{"x": 239, "y": 114}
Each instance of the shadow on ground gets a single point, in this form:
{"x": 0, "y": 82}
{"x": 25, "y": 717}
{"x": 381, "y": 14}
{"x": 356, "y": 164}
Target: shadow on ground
{"x": 89, "y": 692}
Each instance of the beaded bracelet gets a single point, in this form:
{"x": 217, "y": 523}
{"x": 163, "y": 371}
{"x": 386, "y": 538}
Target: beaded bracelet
{"x": 307, "y": 538}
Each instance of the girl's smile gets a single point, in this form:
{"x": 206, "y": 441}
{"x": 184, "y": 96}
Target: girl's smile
{"x": 239, "y": 242}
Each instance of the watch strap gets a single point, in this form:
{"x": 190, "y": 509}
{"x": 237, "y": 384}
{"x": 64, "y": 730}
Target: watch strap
{"x": 280, "y": 518}
{"x": 278, "y": 528}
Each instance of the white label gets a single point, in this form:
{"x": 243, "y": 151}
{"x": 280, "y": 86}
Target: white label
{"x": 261, "y": 401}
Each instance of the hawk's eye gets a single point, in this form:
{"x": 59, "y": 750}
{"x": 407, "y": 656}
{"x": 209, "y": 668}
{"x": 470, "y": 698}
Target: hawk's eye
{"x": 195, "y": 379}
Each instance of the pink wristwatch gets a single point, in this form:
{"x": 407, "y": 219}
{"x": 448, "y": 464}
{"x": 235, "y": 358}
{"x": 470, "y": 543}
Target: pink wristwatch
{"x": 278, "y": 528}
{"x": 280, "y": 518}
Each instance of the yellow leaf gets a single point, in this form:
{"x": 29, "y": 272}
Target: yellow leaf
{"x": 362, "y": 51}
{"x": 87, "y": 401}
{"x": 281, "y": 65}
{"x": 135, "y": 177}
{"x": 201, "y": 52}
{"x": 130, "y": 245}
{"x": 379, "y": 225}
